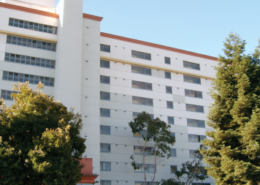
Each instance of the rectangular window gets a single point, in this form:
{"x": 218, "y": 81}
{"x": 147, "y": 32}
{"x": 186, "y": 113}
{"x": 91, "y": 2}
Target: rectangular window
{"x": 142, "y": 55}
{"x": 104, "y": 95}
{"x": 102, "y": 182}
{"x": 173, "y": 152}
{"x": 105, "y": 48}
{"x": 142, "y": 101}
{"x": 169, "y": 89}
{"x": 142, "y": 85}
{"x": 6, "y": 95}
{"x": 33, "y": 79}
{"x": 192, "y": 153}
{"x": 149, "y": 168}
{"x": 191, "y": 79}
{"x": 147, "y": 151}
{"x": 167, "y": 60}
{"x": 21, "y": 41}
{"x": 22, "y": 59}
{"x": 191, "y": 65}
{"x": 105, "y": 147}
{"x": 33, "y": 26}
{"x": 105, "y": 166}
{"x": 191, "y": 93}
{"x": 194, "y": 108}
{"x": 167, "y": 75}
{"x": 196, "y": 123}
{"x": 141, "y": 70}
{"x": 147, "y": 183}
{"x": 196, "y": 138}
{"x": 173, "y": 134}
{"x": 200, "y": 170}
{"x": 170, "y": 120}
{"x": 105, "y": 130}
{"x": 104, "y": 79}
{"x": 169, "y": 105}
{"x": 104, "y": 63}
{"x": 143, "y": 133}
{"x": 173, "y": 169}
{"x": 105, "y": 112}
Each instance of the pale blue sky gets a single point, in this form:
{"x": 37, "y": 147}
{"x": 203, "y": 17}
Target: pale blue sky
{"x": 194, "y": 25}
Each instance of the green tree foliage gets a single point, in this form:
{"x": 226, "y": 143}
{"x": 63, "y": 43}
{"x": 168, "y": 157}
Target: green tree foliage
{"x": 156, "y": 134}
{"x": 39, "y": 140}
{"x": 190, "y": 171}
{"x": 233, "y": 147}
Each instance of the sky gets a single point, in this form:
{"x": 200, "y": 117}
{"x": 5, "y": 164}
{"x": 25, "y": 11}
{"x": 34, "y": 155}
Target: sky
{"x": 199, "y": 26}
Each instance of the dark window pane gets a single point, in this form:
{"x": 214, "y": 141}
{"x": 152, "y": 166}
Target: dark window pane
{"x": 104, "y": 96}
{"x": 105, "y": 112}
{"x": 142, "y": 55}
{"x": 105, "y": 48}
{"x": 105, "y": 130}
{"x": 170, "y": 120}
{"x": 169, "y": 89}
{"x": 191, "y": 65}
{"x": 167, "y": 75}
{"x": 169, "y": 104}
{"x": 104, "y": 64}
{"x": 167, "y": 60}
{"x": 141, "y": 70}
{"x": 105, "y": 79}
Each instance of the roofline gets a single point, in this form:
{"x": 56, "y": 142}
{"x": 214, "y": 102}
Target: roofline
{"x": 157, "y": 46}
{"x": 92, "y": 17}
{"x": 29, "y": 10}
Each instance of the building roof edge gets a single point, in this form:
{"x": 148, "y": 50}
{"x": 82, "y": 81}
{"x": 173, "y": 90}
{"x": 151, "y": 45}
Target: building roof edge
{"x": 29, "y": 10}
{"x": 92, "y": 17}
{"x": 157, "y": 46}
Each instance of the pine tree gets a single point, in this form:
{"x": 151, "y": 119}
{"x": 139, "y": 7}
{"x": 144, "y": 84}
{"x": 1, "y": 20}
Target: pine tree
{"x": 233, "y": 150}
{"x": 39, "y": 140}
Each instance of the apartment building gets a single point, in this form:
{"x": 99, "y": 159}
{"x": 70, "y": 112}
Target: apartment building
{"x": 109, "y": 80}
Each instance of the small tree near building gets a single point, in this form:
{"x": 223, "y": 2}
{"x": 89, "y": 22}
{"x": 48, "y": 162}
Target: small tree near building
{"x": 190, "y": 171}
{"x": 156, "y": 141}
{"x": 39, "y": 140}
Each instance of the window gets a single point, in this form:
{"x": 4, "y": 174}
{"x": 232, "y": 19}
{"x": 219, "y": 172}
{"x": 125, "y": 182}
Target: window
{"x": 105, "y": 147}
{"x": 105, "y": 48}
{"x": 102, "y": 182}
{"x": 6, "y": 95}
{"x": 21, "y": 41}
{"x": 104, "y": 79}
{"x": 196, "y": 123}
{"x": 196, "y": 138}
{"x": 104, "y": 64}
{"x": 143, "y": 133}
{"x": 200, "y": 170}
{"x": 104, "y": 95}
{"x": 149, "y": 168}
{"x": 147, "y": 151}
{"x": 191, "y": 79}
{"x": 173, "y": 169}
{"x": 22, "y": 59}
{"x": 169, "y": 89}
{"x": 194, "y": 108}
{"x": 167, "y": 60}
{"x": 191, "y": 93}
{"x": 33, "y": 79}
{"x": 173, "y": 152}
{"x": 142, "y": 101}
{"x": 192, "y": 153}
{"x": 142, "y": 55}
{"x": 173, "y": 134}
{"x": 169, "y": 105}
{"x": 135, "y": 114}
{"x": 141, "y": 70}
{"x": 32, "y": 26}
{"x": 191, "y": 65}
{"x": 167, "y": 75}
{"x": 170, "y": 120}
{"x": 105, "y": 130}
{"x": 142, "y": 85}
{"x": 105, "y": 166}
{"x": 105, "y": 112}
{"x": 147, "y": 183}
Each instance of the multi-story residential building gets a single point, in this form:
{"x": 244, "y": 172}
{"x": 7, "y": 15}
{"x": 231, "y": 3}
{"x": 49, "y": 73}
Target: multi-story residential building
{"x": 109, "y": 79}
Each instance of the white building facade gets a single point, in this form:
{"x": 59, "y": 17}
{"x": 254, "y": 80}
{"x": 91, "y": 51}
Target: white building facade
{"x": 109, "y": 79}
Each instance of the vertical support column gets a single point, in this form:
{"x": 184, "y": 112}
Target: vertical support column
{"x": 69, "y": 54}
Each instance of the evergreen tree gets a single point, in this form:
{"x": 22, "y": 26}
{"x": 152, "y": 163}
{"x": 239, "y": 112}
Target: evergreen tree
{"x": 233, "y": 150}
{"x": 156, "y": 141}
{"x": 39, "y": 140}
